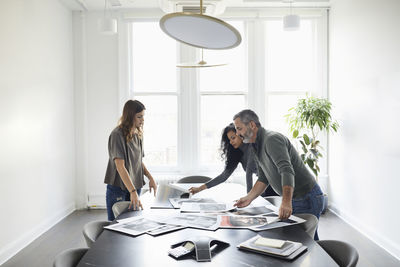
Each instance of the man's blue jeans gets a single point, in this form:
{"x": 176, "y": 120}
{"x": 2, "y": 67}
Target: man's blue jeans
{"x": 115, "y": 194}
{"x": 311, "y": 203}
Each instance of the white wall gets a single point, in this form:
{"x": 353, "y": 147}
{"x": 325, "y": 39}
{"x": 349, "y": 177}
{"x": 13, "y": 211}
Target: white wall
{"x": 97, "y": 105}
{"x": 37, "y": 168}
{"x": 365, "y": 90}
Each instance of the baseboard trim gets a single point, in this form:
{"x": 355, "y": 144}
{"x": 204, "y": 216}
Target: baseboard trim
{"x": 17, "y": 245}
{"x": 387, "y": 245}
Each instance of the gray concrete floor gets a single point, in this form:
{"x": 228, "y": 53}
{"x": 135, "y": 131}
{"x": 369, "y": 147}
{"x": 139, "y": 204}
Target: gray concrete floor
{"x": 64, "y": 235}
{"x": 371, "y": 255}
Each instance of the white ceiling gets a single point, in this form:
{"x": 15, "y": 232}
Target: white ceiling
{"x": 133, "y": 4}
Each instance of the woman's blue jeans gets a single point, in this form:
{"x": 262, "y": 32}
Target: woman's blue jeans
{"x": 311, "y": 203}
{"x": 115, "y": 194}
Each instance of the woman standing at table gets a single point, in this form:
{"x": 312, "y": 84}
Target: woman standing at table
{"x": 125, "y": 170}
{"x": 233, "y": 151}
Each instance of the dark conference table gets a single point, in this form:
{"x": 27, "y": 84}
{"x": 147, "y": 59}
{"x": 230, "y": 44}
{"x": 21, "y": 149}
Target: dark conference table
{"x": 117, "y": 249}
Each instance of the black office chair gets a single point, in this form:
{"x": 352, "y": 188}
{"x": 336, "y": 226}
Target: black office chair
{"x": 69, "y": 257}
{"x": 310, "y": 225}
{"x": 119, "y": 207}
{"x": 194, "y": 179}
{"x": 344, "y": 254}
{"x": 92, "y": 230}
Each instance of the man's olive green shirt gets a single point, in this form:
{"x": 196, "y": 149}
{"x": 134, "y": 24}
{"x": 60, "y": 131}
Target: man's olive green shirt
{"x": 279, "y": 163}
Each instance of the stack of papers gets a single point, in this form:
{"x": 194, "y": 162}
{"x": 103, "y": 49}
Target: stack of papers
{"x": 177, "y": 202}
{"x": 249, "y": 222}
{"x": 283, "y": 249}
{"x": 206, "y": 207}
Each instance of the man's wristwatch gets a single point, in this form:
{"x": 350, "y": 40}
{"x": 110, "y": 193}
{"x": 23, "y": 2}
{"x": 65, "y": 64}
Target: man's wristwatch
{"x": 133, "y": 190}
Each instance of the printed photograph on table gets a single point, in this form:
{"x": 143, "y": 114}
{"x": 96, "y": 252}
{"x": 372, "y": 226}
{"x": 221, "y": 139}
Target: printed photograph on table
{"x": 253, "y": 211}
{"x": 233, "y": 221}
{"x": 206, "y": 222}
{"x": 275, "y": 222}
{"x": 207, "y": 207}
{"x": 177, "y": 202}
{"x": 135, "y": 227}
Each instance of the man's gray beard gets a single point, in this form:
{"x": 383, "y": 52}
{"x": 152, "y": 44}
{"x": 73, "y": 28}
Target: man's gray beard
{"x": 247, "y": 137}
{"x": 246, "y": 140}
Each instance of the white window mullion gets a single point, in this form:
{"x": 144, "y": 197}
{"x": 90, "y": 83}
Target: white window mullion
{"x": 189, "y": 105}
{"x": 322, "y": 66}
{"x": 224, "y": 93}
{"x": 154, "y": 93}
{"x": 256, "y": 66}
{"x": 321, "y": 29}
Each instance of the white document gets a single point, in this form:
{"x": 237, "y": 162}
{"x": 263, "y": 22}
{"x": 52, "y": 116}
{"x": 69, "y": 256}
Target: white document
{"x": 253, "y": 211}
{"x": 184, "y": 186}
{"x": 165, "y": 228}
{"x": 238, "y": 221}
{"x": 206, "y": 222}
{"x": 269, "y": 242}
{"x": 177, "y": 202}
{"x": 137, "y": 226}
{"x": 275, "y": 222}
{"x": 206, "y": 207}
{"x": 288, "y": 248}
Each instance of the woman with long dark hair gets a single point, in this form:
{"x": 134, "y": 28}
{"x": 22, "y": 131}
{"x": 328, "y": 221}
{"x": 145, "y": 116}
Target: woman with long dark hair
{"x": 125, "y": 170}
{"x": 233, "y": 151}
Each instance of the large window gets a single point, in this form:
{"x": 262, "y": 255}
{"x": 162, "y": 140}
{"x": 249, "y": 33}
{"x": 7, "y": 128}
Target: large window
{"x": 188, "y": 108}
{"x": 223, "y": 92}
{"x": 154, "y": 82}
{"x": 289, "y": 69}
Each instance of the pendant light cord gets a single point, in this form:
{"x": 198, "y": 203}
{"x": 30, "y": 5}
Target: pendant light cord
{"x": 202, "y": 62}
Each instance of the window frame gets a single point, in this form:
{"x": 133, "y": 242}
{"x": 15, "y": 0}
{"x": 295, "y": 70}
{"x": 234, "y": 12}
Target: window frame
{"x": 188, "y": 158}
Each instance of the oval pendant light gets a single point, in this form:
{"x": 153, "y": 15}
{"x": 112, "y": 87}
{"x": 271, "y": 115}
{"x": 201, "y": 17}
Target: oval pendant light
{"x": 200, "y": 30}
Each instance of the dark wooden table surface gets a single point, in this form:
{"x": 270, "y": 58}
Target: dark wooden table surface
{"x": 117, "y": 249}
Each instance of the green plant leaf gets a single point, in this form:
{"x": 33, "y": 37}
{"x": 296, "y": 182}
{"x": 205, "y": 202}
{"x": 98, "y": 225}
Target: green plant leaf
{"x": 310, "y": 163}
{"x": 306, "y": 139}
{"x": 311, "y": 116}
{"x": 315, "y": 172}
{"x": 304, "y": 147}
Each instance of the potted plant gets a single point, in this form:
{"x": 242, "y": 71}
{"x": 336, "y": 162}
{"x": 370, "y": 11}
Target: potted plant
{"x": 307, "y": 120}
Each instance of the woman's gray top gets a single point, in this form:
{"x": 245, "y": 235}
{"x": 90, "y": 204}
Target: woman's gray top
{"x": 131, "y": 153}
{"x": 249, "y": 166}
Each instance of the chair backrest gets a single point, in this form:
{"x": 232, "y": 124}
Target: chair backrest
{"x": 92, "y": 230}
{"x": 344, "y": 254}
{"x": 120, "y": 207}
{"x": 194, "y": 179}
{"x": 274, "y": 200}
{"x": 310, "y": 225}
{"x": 69, "y": 257}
